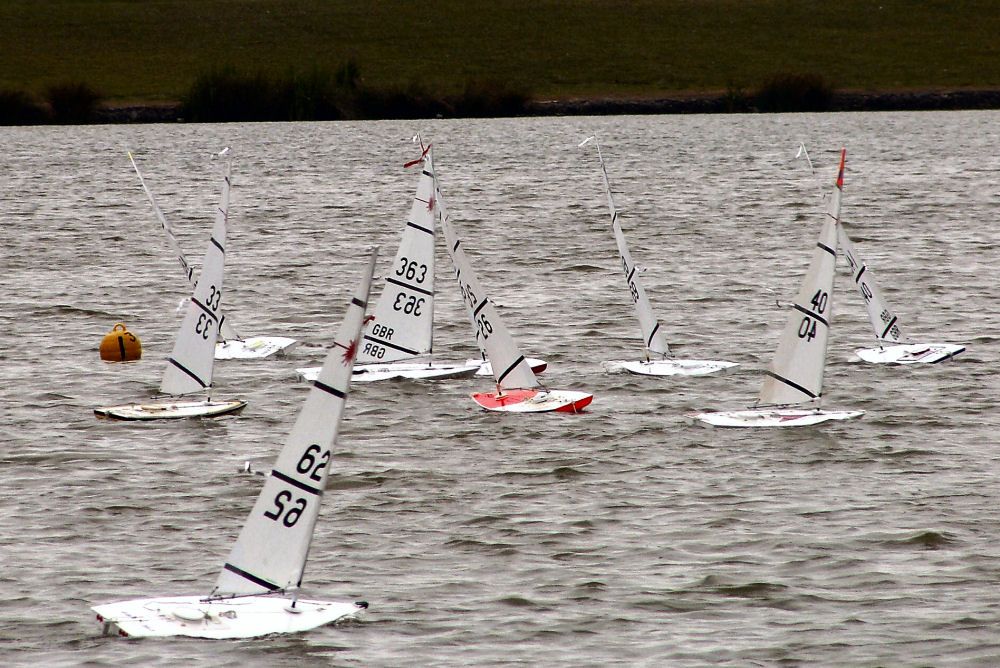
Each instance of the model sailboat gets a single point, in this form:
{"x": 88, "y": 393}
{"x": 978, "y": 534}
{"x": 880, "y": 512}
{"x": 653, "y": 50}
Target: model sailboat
{"x": 518, "y": 390}
{"x": 256, "y": 592}
{"x": 398, "y": 341}
{"x": 659, "y": 361}
{"x": 793, "y": 388}
{"x": 231, "y": 345}
{"x": 191, "y": 363}
{"x": 892, "y": 346}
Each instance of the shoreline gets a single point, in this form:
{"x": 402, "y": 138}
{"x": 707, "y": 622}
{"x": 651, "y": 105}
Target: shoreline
{"x": 719, "y": 103}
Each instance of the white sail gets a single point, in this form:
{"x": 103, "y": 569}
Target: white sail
{"x": 270, "y": 553}
{"x": 883, "y": 320}
{"x": 227, "y": 331}
{"x": 796, "y": 372}
{"x": 404, "y": 314}
{"x": 653, "y": 338}
{"x": 510, "y": 369}
{"x": 189, "y": 367}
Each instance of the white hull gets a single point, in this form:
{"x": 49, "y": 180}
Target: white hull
{"x": 172, "y": 410}
{"x": 243, "y": 617}
{"x": 369, "y": 373}
{"x": 910, "y": 353}
{"x": 773, "y": 417}
{"x": 254, "y": 347}
{"x": 669, "y": 367}
{"x": 486, "y": 369}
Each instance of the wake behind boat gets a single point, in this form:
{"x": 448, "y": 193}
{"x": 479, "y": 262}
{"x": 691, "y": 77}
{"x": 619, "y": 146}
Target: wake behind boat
{"x": 518, "y": 390}
{"x": 793, "y": 387}
{"x": 399, "y": 339}
{"x": 191, "y": 363}
{"x": 659, "y": 361}
{"x": 256, "y": 592}
{"x": 231, "y": 345}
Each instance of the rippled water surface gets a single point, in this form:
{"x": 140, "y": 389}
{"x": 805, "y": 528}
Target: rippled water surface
{"x": 622, "y": 536}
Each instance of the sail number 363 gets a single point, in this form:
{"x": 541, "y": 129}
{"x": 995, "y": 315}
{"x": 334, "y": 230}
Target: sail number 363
{"x": 285, "y": 510}
{"x": 807, "y": 328}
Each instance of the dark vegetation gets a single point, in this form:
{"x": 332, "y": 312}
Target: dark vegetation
{"x": 299, "y": 59}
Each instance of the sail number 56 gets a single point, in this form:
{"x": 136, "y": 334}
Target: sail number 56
{"x": 807, "y": 328}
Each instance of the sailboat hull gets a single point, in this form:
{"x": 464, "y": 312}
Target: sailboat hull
{"x": 173, "y": 410}
{"x": 368, "y": 373}
{"x": 196, "y": 617}
{"x": 534, "y": 401}
{"x": 670, "y": 367}
{"x": 254, "y": 347}
{"x": 910, "y": 353}
{"x": 486, "y": 369}
{"x": 773, "y": 417}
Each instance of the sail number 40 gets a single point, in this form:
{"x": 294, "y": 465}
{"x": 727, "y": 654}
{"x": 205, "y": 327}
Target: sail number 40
{"x": 308, "y": 463}
{"x": 807, "y": 328}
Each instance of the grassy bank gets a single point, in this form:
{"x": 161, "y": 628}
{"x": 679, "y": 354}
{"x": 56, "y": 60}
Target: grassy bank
{"x": 154, "y": 50}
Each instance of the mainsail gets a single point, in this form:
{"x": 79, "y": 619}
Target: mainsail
{"x": 510, "y": 369}
{"x": 270, "y": 553}
{"x": 883, "y": 320}
{"x": 653, "y": 338}
{"x": 189, "y": 367}
{"x": 404, "y": 314}
{"x": 795, "y": 375}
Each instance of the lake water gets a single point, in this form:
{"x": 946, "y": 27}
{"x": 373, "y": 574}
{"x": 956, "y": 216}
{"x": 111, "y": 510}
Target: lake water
{"x": 621, "y": 536}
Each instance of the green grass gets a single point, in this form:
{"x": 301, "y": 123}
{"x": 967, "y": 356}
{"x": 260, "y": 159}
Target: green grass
{"x": 153, "y": 50}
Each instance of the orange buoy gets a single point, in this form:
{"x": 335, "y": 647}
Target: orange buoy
{"x": 120, "y": 345}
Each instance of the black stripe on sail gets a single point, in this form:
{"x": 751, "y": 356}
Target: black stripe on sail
{"x": 500, "y": 378}
{"x": 649, "y": 341}
{"x": 211, "y": 314}
{"x": 270, "y": 586}
{"x": 791, "y": 384}
{"x": 329, "y": 389}
{"x": 391, "y": 345}
{"x": 479, "y": 308}
{"x": 628, "y": 279}
{"x": 888, "y": 327}
{"x": 408, "y": 286}
{"x": 455, "y": 247}
{"x": 420, "y": 227}
{"x": 292, "y": 481}
{"x": 426, "y": 173}
{"x": 218, "y": 245}
{"x": 811, "y": 314}
{"x": 187, "y": 371}
{"x": 827, "y": 249}
{"x": 358, "y": 302}
{"x": 858, "y": 277}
